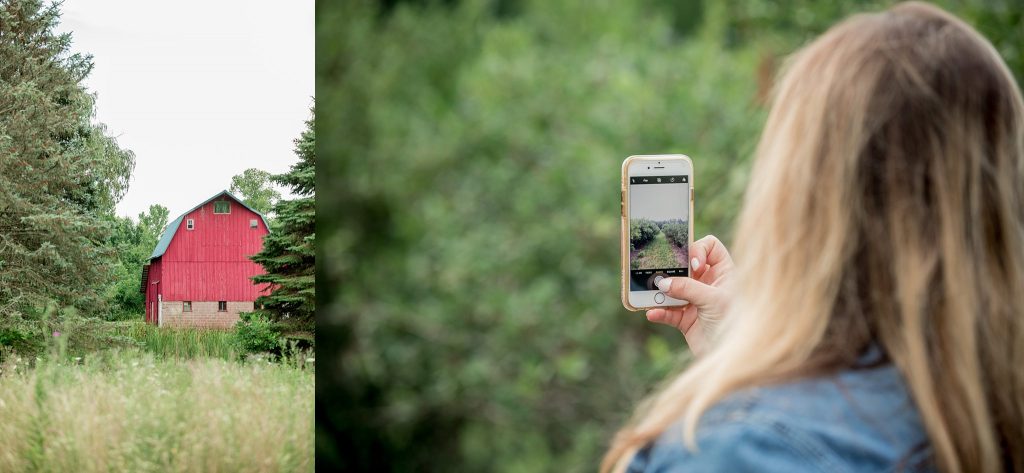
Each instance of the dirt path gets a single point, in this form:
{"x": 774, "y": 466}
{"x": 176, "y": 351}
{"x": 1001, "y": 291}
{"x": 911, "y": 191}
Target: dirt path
{"x": 682, "y": 255}
{"x": 659, "y": 253}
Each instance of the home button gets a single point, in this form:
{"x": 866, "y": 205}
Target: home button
{"x": 659, "y": 298}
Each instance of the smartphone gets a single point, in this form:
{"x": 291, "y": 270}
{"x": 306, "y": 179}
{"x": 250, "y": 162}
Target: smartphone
{"x": 657, "y": 227}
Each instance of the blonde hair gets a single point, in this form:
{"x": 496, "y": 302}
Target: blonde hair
{"x": 885, "y": 206}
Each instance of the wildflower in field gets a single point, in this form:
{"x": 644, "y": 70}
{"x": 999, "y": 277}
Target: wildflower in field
{"x": 56, "y": 333}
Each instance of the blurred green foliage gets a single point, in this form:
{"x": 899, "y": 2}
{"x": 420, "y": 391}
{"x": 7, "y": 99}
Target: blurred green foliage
{"x": 468, "y": 270}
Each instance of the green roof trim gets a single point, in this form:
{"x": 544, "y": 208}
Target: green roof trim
{"x": 172, "y": 228}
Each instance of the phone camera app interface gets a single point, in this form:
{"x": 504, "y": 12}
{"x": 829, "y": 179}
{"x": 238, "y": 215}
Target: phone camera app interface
{"x": 658, "y": 229}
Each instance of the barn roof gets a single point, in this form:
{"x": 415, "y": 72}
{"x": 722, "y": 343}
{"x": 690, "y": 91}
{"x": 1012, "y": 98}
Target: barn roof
{"x": 172, "y": 228}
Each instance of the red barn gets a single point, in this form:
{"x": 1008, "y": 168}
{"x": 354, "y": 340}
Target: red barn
{"x": 198, "y": 274}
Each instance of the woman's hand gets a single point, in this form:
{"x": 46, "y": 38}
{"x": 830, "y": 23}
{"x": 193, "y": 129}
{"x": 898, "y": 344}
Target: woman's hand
{"x": 710, "y": 265}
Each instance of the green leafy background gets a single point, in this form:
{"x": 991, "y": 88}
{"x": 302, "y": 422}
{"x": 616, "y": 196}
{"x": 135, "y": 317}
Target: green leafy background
{"x": 468, "y": 271}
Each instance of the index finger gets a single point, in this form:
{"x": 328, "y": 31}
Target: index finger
{"x": 708, "y": 251}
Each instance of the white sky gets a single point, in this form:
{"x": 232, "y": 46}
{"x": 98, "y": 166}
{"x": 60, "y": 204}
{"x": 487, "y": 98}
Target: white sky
{"x": 658, "y": 202}
{"x": 199, "y": 90}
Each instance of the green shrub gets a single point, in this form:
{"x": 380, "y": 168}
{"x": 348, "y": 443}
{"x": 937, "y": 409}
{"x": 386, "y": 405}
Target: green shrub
{"x": 256, "y": 334}
{"x": 82, "y": 335}
{"x": 641, "y": 231}
{"x": 18, "y": 341}
{"x": 677, "y": 233}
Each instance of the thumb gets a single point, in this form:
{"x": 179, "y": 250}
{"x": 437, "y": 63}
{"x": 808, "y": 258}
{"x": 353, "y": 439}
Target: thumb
{"x": 690, "y": 290}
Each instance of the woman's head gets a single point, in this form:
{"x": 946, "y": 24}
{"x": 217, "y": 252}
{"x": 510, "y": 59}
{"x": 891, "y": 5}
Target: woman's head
{"x": 886, "y": 204}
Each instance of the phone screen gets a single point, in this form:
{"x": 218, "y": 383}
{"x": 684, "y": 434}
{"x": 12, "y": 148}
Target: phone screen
{"x": 659, "y": 223}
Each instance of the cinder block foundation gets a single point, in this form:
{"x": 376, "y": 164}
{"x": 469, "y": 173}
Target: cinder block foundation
{"x": 204, "y": 314}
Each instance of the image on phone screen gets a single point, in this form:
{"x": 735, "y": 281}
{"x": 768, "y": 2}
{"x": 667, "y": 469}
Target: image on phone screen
{"x": 658, "y": 229}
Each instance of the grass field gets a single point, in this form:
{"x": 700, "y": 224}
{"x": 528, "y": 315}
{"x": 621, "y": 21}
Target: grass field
{"x": 133, "y": 411}
{"x": 656, "y": 254}
{"x": 176, "y": 400}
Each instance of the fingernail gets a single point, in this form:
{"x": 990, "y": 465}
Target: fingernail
{"x": 695, "y": 264}
{"x": 665, "y": 284}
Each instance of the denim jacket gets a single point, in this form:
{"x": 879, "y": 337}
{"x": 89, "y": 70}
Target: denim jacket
{"x": 861, "y": 419}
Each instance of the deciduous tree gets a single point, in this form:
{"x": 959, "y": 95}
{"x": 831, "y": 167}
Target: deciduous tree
{"x": 132, "y": 242}
{"x": 255, "y": 187}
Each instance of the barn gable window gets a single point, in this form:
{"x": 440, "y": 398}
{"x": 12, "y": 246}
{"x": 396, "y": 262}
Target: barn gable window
{"x": 253, "y": 224}
{"x": 190, "y": 224}
{"x": 221, "y": 207}
{"x": 186, "y": 306}
{"x": 222, "y": 306}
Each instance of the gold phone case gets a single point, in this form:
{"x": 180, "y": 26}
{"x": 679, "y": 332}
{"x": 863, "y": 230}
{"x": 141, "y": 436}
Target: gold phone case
{"x": 624, "y": 225}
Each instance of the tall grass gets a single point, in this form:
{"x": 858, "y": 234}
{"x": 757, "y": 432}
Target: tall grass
{"x": 179, "y": 342}
{"x": 134, "y": 411}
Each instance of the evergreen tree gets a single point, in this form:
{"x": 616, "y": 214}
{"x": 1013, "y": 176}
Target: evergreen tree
{"x": 288, "y": 255}
{"x": 60, "y": 174}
